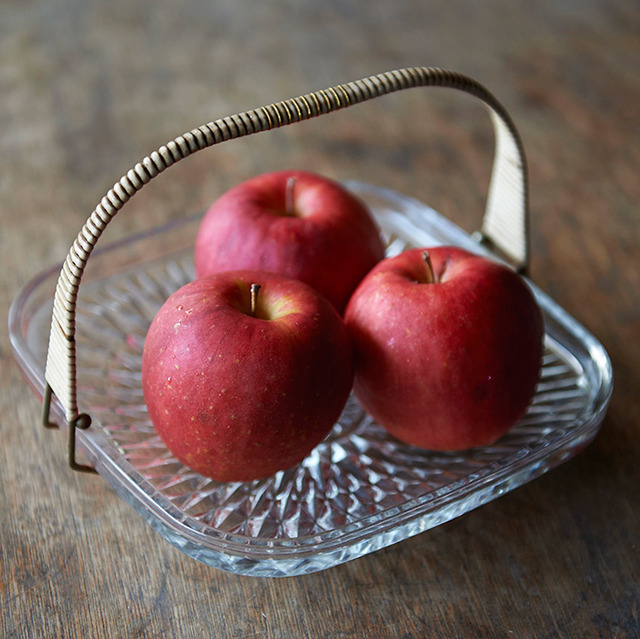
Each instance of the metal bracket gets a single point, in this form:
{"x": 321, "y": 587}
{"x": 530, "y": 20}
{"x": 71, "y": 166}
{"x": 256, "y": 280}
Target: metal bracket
{"x": 82, "y": 421}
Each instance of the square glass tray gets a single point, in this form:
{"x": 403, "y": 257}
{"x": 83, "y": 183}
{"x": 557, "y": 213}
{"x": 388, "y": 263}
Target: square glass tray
{"x": 359, "y": 490}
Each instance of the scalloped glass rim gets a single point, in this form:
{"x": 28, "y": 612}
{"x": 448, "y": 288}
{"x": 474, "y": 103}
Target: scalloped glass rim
{"x": 548, "y": 439}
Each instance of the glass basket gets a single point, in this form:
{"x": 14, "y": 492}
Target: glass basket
{"x": 358, "y": 491}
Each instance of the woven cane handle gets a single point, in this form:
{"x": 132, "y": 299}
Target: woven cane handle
{"x": 505, "y": 221}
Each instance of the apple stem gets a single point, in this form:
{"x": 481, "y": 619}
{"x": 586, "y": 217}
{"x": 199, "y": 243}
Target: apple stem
{"x": 254, "y": 298}
{"x": 288, "y": 197}
{"x": 427, "y": 260}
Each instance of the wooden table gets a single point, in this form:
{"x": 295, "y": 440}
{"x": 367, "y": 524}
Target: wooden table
{"x": 87, "y": 89}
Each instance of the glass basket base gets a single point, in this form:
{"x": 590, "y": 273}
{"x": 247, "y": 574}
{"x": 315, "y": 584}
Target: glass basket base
{"x": 358, "y": 491}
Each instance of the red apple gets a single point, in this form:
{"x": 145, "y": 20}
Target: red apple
{"x": 448, "y": 347}
{"x": 294, "y": 223}
{"x": 240, "y": 385}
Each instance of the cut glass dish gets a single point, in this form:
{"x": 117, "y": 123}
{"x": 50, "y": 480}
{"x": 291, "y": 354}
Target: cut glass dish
{"x": 359, "y": 490}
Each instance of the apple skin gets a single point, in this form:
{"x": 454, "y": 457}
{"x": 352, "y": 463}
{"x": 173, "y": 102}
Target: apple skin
{"x": 317, "y": 232}
{"x": 237, "y": 397}
{"x": 448, "y": 365}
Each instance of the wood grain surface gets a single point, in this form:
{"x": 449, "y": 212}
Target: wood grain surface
{"x": 88, "y": 88}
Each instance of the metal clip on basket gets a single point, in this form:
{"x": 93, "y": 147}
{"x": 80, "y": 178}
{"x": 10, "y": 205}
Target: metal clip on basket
{"x": 504, "y": 227}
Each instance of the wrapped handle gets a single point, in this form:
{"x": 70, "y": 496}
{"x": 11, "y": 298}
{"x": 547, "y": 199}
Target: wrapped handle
{"x": 505, "y": 223}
